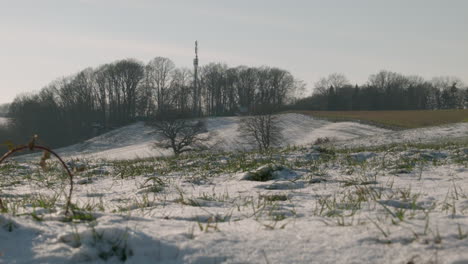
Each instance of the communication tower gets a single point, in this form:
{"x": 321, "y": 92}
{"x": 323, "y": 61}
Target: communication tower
{"x": 196, "y": 92}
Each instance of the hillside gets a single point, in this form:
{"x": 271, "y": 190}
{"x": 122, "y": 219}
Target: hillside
{"x": 351, "y": 202}
{"x": 136, "y": 140}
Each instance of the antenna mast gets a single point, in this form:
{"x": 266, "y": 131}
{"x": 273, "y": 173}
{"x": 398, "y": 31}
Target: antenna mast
{"x": 196, "y": 92}
{"x": 195, "y": 61}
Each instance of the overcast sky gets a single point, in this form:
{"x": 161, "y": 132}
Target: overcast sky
{"x": 42, "y": 40}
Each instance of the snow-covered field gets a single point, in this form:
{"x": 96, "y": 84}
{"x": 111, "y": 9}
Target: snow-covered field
{"x": 136, "y": 140}
{"x": 298, "y": 204}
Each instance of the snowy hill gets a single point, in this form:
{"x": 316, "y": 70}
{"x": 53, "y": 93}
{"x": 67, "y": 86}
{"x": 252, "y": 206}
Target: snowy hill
{"x": 308, "y": 204}
{"x": 136, "y": 140}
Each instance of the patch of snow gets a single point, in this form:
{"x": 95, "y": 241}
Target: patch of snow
{"x": 363, "y": 156}
{"x": 269, "y": 172}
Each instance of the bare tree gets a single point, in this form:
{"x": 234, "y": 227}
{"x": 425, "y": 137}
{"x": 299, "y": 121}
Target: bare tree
{"x": 445, "y": 82}
{"x": 181, "y": 90}
{"x": 100, "y": 91}
{"x": 118, "y": 85}
{"x": 263, "y": 130}
{"x": 247, "y": 79}
{"x": 213, "y": 80}
{"x": 333, "y": 80}
{"x": 179, "y": 133}
{"x": 161, "y": 72}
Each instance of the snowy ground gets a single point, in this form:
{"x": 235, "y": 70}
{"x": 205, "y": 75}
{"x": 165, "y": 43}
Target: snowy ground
{"x": 136, "y": 140}
{"x": 310, "y": 204}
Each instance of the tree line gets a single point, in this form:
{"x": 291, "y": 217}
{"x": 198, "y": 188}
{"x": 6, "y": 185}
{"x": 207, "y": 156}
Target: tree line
{"x": 386, "y": 91}
{"x": 95, "y": 100}
{"x": 77, "y": 107}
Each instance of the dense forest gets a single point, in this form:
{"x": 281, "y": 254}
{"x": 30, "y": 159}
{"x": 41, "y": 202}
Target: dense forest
{"x": 386, "y": 91}
{"x": 99, "y": 99}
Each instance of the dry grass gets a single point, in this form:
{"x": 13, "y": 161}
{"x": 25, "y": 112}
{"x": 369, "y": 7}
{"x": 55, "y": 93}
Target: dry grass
{"x": 397, "y": 119}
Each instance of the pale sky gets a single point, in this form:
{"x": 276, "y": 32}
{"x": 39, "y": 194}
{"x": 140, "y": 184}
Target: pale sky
{"x": 42, "y": 40}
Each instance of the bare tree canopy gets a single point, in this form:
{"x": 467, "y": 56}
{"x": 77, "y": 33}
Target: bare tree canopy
{"x": 262, "y": 130}
{"x": 445, "y": 82}
{"x": 387, "y": 90}
{"x": 180, "y": 133}
{"x": 332, "y": 80}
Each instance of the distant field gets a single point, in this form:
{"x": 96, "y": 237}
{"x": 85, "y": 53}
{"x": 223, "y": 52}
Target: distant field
{"x": 397, "y": 119}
